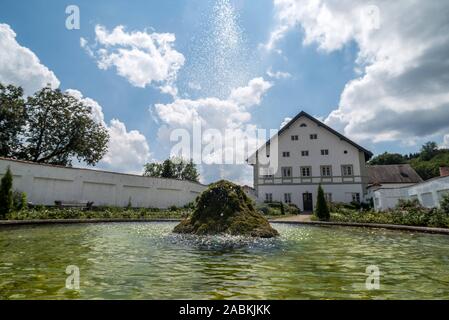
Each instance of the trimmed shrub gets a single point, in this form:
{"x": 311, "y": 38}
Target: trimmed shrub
{"x": 321, "y": 209}
{"x": 408, "y": 204}
{"x": 293, "y": 209}
{"x": 6, "y": 194}
{"x": 444, "y": 204}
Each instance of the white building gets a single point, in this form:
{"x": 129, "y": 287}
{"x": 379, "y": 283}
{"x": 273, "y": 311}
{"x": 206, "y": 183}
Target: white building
{"x": 429, "y": 193}
{"x": 306, "y": 153}
{"x": 391, "y": 176}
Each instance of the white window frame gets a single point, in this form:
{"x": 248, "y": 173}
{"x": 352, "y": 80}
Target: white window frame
{"x": 268, "y": 197}
{"x": 355, "y": 197}
{"x": 344, "y": 171}
{"x": 325, "y": 170}
{"x": 287, "y": 197}
{"x": 309, "y": 170}
{"x": 283, "y": 171}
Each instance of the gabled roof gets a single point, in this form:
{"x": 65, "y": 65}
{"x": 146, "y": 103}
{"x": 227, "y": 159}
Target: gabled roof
{"x": 394, "y": 173}
{"x": 368, "y": 154}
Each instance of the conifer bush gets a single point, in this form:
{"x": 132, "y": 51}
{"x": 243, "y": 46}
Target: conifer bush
{"x": 321, "y": 209}
{"x": 6, "y": 194}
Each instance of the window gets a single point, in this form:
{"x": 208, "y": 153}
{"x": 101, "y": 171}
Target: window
{"x": 268, "y": 197}
{"x": 356, "y": 197}
{"x": 306, "y": 171}
{"x": 286, "y": 154}
{"x": 305, "y": 153}
{"x": 313, "y": 136}
{"x": 295, "y": 138}
{"x": 325, "y": 152}
{"x": 286, "y": 172}
{"x": 326, "y": 171}
{"x": 328, "y": 197}
{"x": 346, "y": 170}
{"x": 287, "y": 197}
{"x": 303, "y": 125}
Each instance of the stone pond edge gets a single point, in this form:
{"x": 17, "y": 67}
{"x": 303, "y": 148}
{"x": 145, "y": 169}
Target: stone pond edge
{"x": 10, "y": 223}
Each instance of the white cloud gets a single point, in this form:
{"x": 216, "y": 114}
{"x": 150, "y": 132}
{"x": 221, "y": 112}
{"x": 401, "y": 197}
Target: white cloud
{"x": 403, "y": 46}
{"x": 278, "y": 74}
{"x": 285, "y": 121}
{"x": 20, "y": 66}
{"x": 251, "y": 94}
{"x": 128, "y": 151}
{"x": 141, "y": 57}
{"x": 224, "y": 115}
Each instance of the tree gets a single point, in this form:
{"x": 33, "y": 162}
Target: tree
{"x": 388, "y": 158}
{"x": 153, "y": 169}
{"x": 168, "y": 169}
{"x": 428, "y": 151}
{"x": 189, "y": 172}
{"x": 59, "y": 128}
{"x": 6, "y": 194}
{"x": 12, "y": 119}
{"x": 321, "y": 209}
{"x": 174, "y": 168}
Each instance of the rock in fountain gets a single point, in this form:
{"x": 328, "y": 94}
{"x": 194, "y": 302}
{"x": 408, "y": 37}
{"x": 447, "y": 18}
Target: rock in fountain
{"x": 224, "y": 208}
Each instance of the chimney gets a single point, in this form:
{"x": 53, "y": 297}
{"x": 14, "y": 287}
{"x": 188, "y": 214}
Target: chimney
{"x": 444, "y": 171}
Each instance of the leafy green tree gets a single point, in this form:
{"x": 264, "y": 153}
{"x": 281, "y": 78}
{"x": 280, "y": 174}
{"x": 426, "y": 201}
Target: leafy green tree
{"x": 428, "y": 151}
{"x": 388, "y": 158}
{"x": 189, "y": 172}
{"x": 49, "y": 127}
{"x": 12, "y": 119}
{"x": 153, "y": 169}
{"x": 321, "y": 208}
{"x": 169, "y": 169}
{"x": 174, "y": 168}
{"x": 431, "y": 168}
{"x": 60, "y": 128}
{"x": 6, "y": 194}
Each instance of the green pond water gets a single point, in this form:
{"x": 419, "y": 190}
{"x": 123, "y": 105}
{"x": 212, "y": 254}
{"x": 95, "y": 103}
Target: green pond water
{"x": 146, "y": 261}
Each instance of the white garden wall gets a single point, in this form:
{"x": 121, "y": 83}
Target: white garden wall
{"x": 429, "y": 194}
{"x": 45, "y": 184}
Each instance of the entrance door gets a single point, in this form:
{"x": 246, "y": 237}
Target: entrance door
{"x": 307, "y": 201}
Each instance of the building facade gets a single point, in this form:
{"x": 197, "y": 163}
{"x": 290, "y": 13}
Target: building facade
{"x": 304, "y": 154}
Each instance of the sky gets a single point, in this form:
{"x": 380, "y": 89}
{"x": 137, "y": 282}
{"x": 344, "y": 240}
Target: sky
{"x": 377, "y": 72}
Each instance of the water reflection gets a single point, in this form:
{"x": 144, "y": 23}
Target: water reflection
{"x": 147, "y": 261}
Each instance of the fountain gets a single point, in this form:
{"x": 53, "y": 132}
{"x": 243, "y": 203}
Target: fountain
{"x": 224, "y": 208}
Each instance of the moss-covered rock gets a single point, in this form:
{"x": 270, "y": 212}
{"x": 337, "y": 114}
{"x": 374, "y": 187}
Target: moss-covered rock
{"x": 225, "y": 208}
